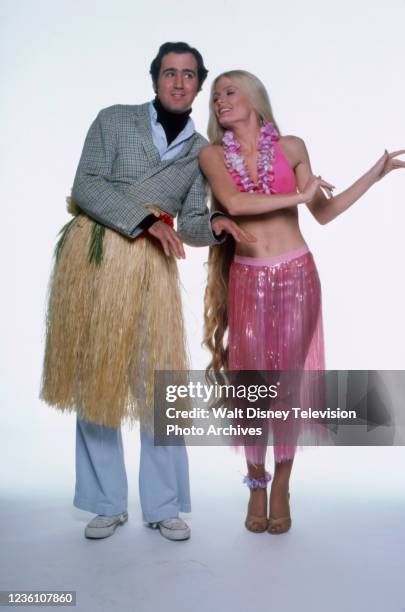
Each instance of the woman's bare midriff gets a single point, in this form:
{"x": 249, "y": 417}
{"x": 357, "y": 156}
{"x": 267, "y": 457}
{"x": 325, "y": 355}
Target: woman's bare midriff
{"x": 276, "y": 233}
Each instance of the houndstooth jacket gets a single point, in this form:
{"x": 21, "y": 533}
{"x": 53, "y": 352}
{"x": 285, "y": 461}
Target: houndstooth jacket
{"x": 120, "y": 169}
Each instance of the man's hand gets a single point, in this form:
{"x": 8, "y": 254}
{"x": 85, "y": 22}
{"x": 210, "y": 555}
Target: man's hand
{"x": 223, "y": 224}
{"x": 171, "y": 243}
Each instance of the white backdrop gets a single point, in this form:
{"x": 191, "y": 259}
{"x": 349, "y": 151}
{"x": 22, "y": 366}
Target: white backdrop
{"x": 334, "y": 73}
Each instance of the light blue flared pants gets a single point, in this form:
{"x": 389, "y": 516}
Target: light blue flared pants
{"x": 101, "y": 480}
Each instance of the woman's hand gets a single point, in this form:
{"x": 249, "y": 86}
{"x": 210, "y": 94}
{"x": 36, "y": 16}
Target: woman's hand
{"x": 385, "y": 164}
{"x": 312, "y": 185}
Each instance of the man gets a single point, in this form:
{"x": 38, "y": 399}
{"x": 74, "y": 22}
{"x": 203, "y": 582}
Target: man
{"x": 114, "y": 313}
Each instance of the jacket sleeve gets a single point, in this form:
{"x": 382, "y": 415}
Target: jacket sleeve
{"x": 93, "y": 190}
{"x": 194, "y": 219}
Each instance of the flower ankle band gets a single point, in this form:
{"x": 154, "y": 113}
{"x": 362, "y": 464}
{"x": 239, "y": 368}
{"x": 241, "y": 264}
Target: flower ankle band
{"x": 257, "y": 483}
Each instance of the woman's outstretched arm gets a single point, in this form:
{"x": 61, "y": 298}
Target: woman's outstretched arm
{"x": 326, "y": 209}
{"x": 235, "y": 203}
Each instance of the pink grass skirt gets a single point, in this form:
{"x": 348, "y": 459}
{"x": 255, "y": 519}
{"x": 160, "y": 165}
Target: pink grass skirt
{"x": 275, "y": 323}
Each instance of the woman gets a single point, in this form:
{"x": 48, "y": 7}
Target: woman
{"x": 266, "y": 293}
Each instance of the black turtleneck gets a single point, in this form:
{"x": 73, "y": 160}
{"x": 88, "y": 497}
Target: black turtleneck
{"x": 172, "y": 123}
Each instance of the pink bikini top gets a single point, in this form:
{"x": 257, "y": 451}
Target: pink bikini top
{"x": 284, "y": 177}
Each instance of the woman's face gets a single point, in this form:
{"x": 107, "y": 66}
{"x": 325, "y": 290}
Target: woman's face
{"x": 231, "y": 103}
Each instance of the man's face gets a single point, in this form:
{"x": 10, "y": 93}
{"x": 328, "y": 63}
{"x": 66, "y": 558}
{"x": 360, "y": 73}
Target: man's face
{"x": 177, "y": 84}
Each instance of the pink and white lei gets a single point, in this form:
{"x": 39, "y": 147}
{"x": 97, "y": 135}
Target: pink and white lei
{"x": 236, "y": 164}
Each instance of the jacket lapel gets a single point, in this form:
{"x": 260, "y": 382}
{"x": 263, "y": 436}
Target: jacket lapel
{"x": 161, "y": 165}
{"x": 145, "y": 131}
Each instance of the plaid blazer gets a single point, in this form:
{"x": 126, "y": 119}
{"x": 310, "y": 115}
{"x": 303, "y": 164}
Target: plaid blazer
{"x": 120, "y": 169}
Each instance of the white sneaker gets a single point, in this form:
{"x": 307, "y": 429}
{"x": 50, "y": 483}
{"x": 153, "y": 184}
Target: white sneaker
{"x": 173, "y": 528}
{"x": 103, "y": 526}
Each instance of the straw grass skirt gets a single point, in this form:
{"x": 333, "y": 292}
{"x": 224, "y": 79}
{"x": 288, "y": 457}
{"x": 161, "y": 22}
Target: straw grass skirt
{"x": 110, "y": 325}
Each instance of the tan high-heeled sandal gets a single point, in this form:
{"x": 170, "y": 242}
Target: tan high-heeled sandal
{"x": 256, "y": 524}
{"x": 281, "y": 524}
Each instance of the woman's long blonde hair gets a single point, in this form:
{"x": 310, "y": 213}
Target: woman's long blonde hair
{"x": 220, "y": 257}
